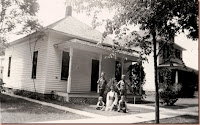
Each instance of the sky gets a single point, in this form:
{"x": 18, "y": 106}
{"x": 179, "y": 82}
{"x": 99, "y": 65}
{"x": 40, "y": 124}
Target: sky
{"x": 53, "y": 10}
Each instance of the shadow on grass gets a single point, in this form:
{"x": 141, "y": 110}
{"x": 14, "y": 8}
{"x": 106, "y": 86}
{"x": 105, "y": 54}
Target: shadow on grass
{"x": 176, "y": 106}
{"x": 184, "y": 119}
{"x": 16, "y": 105}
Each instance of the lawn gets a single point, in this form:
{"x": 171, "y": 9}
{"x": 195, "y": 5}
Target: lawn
{"x": 92, "y": 109}
{"x": 15, "y": 110}
{"x": 180, "y": 104}
{"x": 186, "y": 119}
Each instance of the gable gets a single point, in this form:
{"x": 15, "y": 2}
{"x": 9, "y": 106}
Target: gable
{"x": 75, "y": 28}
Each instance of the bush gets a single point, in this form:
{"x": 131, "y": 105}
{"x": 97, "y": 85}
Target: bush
{"x": 1, "y": 86}
{"x": 169, "y": 92}
{"x": 2, "y": 99}
{"x": 137, "y": 78}
{"x": 29, "y": 94}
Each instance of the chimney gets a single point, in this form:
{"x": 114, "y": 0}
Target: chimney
{"x": 68, "y": 11}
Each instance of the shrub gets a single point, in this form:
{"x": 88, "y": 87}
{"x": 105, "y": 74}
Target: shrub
{"x": 136, "y": 76}
{"x": 1, "y": 86}
{"x": 2, "y": 99}
{"x": 169, "y": 92}
{"x": 18, "y": 92}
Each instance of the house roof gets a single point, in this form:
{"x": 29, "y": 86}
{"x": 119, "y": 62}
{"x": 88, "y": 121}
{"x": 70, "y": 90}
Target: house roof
{"x": 72, "y": 26}
{"x": 75, "y": 28}
{"x": 178, "y": 47}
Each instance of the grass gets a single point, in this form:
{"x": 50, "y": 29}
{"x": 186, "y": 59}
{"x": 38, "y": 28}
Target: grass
{"x": 180, "y": 104}
{"x": 15, "y": 110}
{"x": 92, "y": 109}
{"x": 186, "y": 119}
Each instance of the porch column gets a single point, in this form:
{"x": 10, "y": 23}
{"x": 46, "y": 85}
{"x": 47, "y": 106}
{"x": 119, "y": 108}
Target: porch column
{"x": 100, "y": 65}
{"x": 122, "y": 62}
{"x": 176, "y": 77}
{"x": 70, "y": 71}
{"x": 140, "y": 91}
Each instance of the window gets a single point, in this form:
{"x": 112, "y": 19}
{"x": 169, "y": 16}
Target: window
{"x": 166, "y": 52}
{"x": 65, "y": 66}
{"x": 9, "y": 64}
{"x": 178, "y": 53}
{"x": 34, "y": 67}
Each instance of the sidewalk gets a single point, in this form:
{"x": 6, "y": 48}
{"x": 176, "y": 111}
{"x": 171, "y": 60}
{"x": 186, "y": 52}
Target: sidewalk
{"x": 92, "y": 115}
{"x": 132, "y": 118}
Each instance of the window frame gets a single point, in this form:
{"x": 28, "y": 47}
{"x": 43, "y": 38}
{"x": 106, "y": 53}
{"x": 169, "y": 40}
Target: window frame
{"x": 9, "y": 65}
{"x": 34, "y": 74}
{"x": 178, "y": 53}
{"x": 63, "y": 78}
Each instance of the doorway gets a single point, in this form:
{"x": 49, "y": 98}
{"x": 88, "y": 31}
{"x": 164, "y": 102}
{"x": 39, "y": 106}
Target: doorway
{"x": 95, "y": 74}
{"x": 118, "y": 70}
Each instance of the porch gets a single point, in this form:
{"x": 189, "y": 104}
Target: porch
{"x": 90, "y": 97}
{"x": 86, "y": 61}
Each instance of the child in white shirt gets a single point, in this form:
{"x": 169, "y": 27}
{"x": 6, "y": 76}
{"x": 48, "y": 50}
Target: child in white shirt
{"x": 100, "y": 104}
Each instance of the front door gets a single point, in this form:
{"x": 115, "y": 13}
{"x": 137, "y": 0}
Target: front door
{"x": 95, "y": 75}
{"x": 118, "y": 70}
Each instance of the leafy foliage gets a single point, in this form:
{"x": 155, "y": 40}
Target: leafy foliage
{"x": 167, "y": 17}
{"x": 17, "y": 17}
{"x": 136, "y": 76}
{"x": 1, "y": 86}
{"x": 2, "y": 99}
{"x": 169, "y": 92}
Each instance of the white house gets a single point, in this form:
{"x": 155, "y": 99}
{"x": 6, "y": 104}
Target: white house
{"x": 67, "y": 60}
{"x": 171, "y": 57}
{"x": 1, "y": 66}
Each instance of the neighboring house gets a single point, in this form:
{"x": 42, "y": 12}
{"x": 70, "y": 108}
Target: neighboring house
{"x": 171, "y": 58}
{"x": 1, "y": 66}
{"x": 67, "y": 61}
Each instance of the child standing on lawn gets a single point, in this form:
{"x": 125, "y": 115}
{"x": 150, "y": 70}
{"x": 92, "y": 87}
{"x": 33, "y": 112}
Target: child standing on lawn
{"x": 100, "y": 104}
{"x": 122, "y": 105}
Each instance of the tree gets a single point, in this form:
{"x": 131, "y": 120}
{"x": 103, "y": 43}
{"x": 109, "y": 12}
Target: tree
{"x": 17, "y": 17}
{"x": 163, "y": 18}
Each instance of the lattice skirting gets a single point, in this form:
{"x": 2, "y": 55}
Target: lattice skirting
{"x": 83, "y": 100}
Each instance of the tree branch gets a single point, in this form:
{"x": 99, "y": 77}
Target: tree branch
{"x": 159, "y": 51}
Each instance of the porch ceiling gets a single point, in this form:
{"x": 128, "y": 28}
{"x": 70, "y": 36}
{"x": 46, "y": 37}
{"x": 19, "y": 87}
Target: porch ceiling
{"x": 97, "y": 48}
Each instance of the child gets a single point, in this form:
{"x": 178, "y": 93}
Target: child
{"x": 100, "y": 104}
{"x": 122, "y": 105}
{"x": 111, "y": 99}
{"x": 102, "y": 84}
{"x": 121, "y": 85}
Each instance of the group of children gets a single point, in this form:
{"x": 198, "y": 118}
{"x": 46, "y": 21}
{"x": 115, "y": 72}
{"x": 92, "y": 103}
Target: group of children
{"x": 112, "y": 101}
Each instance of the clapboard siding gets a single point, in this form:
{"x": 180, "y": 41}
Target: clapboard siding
{"x": 81, "y": 70}
{"x": 54, "y": 82}
{"x": 149, "y": 76}
{"x": 21, "y": 65}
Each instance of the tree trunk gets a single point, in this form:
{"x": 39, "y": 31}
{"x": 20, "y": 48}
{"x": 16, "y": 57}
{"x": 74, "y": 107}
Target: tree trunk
{"x": 156, "y": 81}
